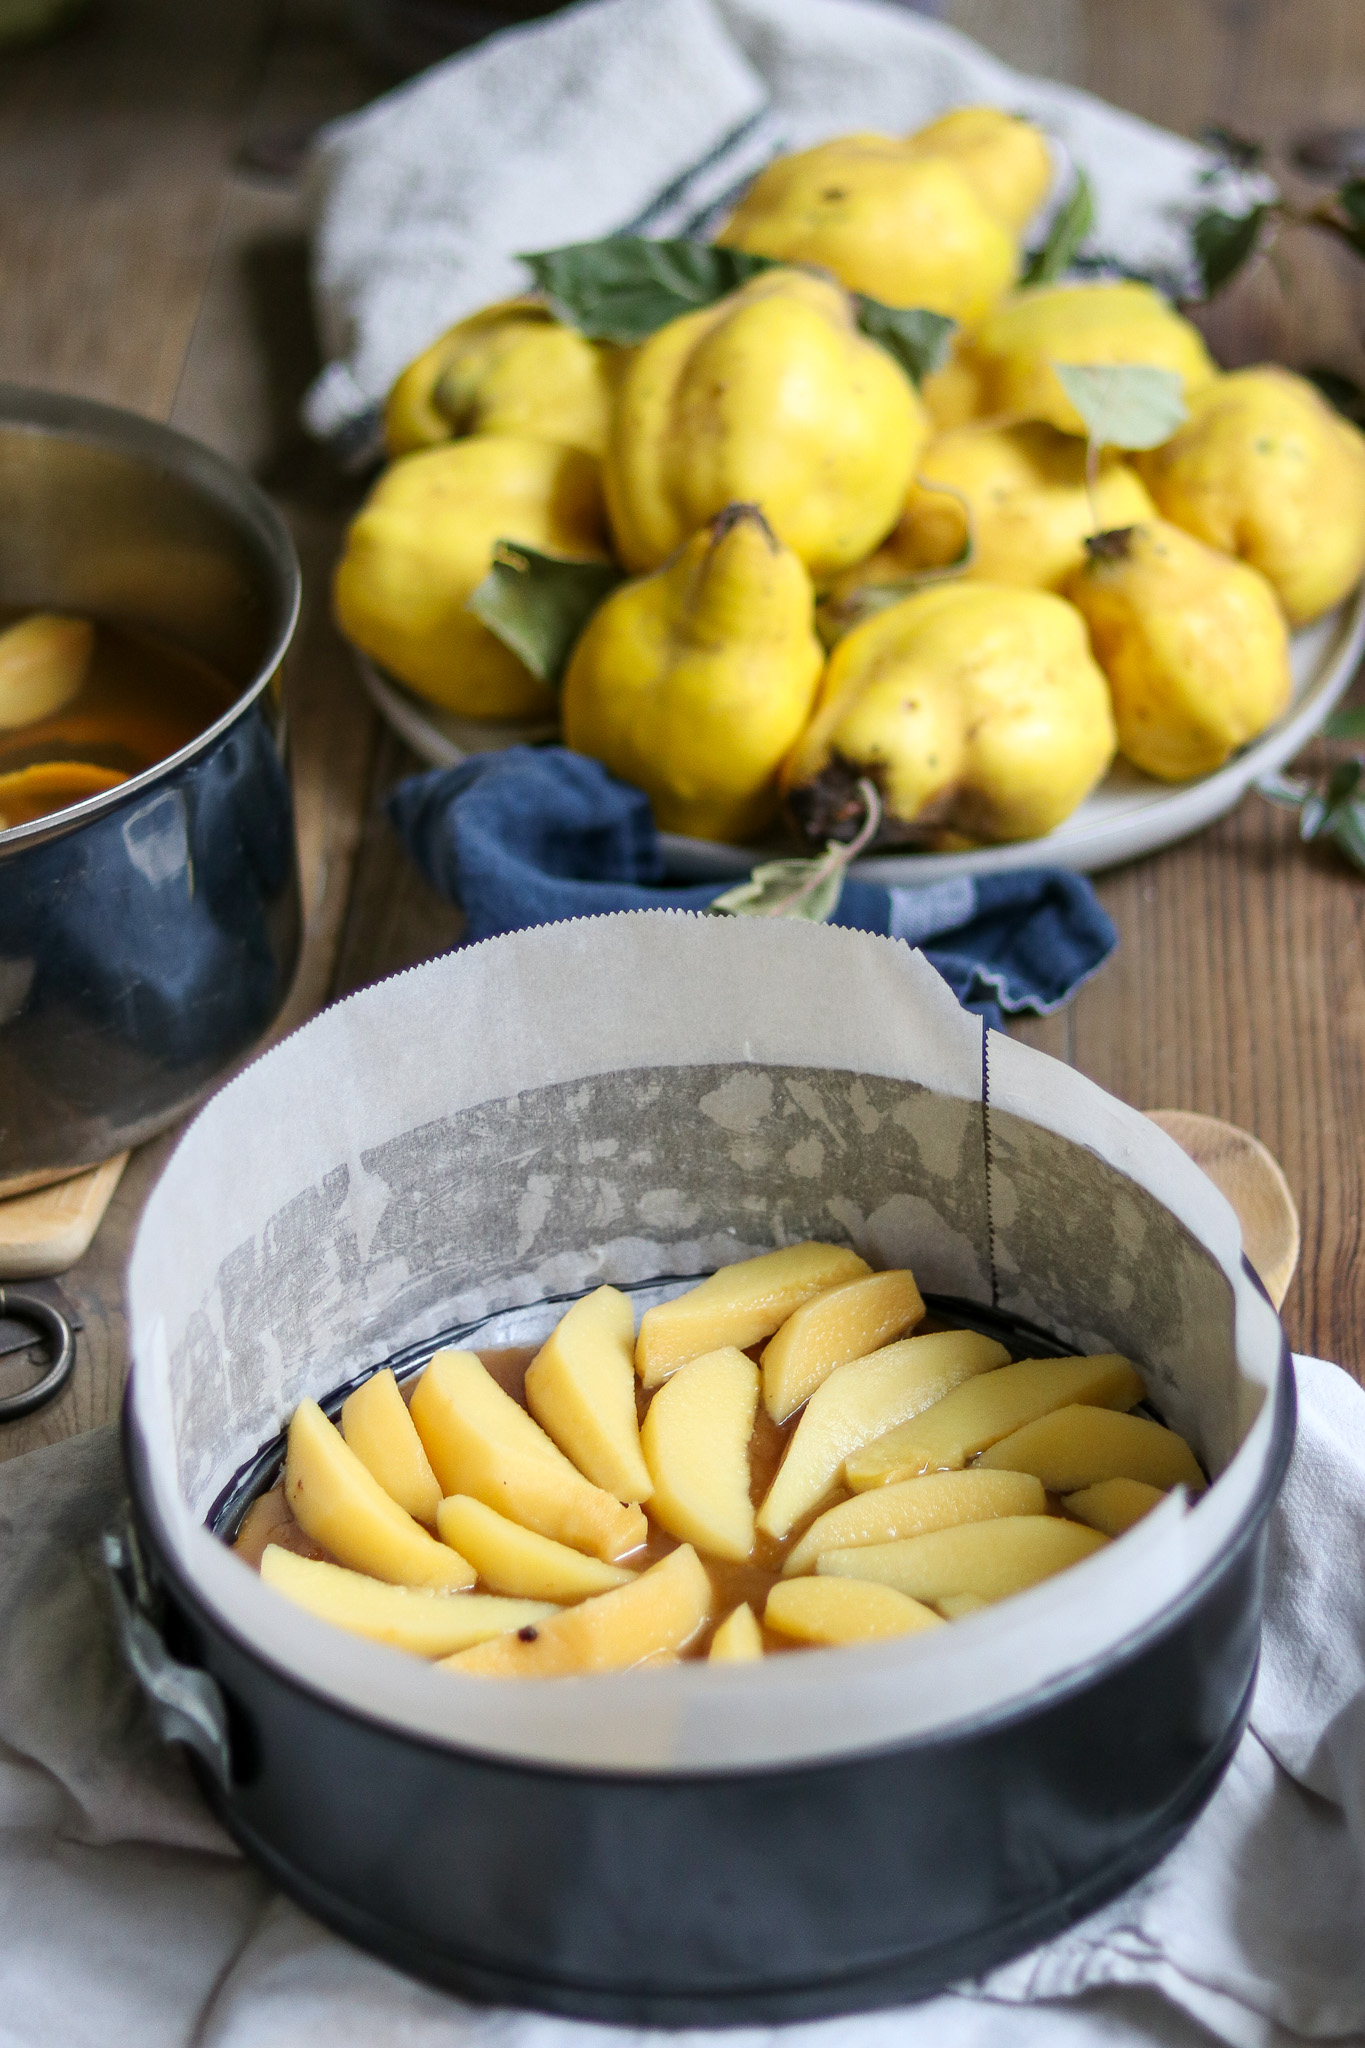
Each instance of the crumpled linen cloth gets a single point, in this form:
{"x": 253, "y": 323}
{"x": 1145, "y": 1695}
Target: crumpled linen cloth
{"x": 650, "y": 116}
{"x": 531, "y": 835}
{"x": 129, "y": 1921}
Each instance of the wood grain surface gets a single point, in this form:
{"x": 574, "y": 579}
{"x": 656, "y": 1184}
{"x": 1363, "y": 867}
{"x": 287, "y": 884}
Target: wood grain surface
{"x": 148, "y": 263}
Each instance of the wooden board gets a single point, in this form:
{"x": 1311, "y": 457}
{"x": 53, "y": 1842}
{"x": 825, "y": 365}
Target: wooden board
{"x": 46, "y": 1232}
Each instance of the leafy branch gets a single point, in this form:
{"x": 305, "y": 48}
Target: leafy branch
{"x": 808, "y": 889}
{"x": 1225, "y": 242}
{"x": 1333, "y": 807}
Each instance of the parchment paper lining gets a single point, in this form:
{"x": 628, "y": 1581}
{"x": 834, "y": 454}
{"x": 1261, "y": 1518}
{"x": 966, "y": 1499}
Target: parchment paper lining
{"x": 633, "y": 1096}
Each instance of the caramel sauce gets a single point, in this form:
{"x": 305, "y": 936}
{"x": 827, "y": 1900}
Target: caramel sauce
{"x": 269, "y": 1519}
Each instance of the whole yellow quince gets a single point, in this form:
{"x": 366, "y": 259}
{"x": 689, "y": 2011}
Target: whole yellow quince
{"x": 1265, "y": 469}
{"x": 510, "y": 369}
{"x": 1193, "y": 643}
{"x": 977, "y": 710}
{"x": 771, "y": 396}
{"x": 1006, "y": 158}
{"x": 1105, "y": 322}
{"x": 424, "y": 538}
{"x": 692, "y": 683}
{"x": 955, "y": 392}
{"x": 1023, "y": 489}
{"x": 905, "y": 227}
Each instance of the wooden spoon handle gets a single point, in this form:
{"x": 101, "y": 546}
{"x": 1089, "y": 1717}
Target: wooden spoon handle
{"x": 1241, "y": 1168}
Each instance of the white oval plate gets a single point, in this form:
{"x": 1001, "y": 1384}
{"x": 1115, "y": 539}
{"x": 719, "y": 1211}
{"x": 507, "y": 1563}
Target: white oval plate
{"x": 1128, "y": 815}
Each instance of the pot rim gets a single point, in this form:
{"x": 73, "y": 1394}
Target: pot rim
{"x": 214, "y": 478}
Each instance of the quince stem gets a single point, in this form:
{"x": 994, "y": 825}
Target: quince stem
{"x": 1092, "y": 479}
{"x": 839, "y": 855}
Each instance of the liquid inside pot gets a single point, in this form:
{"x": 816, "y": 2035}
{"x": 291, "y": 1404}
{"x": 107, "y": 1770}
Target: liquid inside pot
{"x": 84, "y": 704}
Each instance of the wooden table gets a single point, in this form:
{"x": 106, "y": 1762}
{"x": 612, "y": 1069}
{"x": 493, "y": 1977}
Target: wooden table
{"x": 148, "y": 261}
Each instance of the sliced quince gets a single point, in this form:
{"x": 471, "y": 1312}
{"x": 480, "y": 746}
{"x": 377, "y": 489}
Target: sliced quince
{"x": 422, "y": 1619}
{"x": 954, "y": 1606}
{"x": 481, "y": 1443}
{"x": 936, "y": 1500}
{"x": 738, "y": 1640}
{"x": 47, "y": 786}
{"x": 1113, "y": 1505}
{"x": 1079, "y": 1445}
{"x": 641, "y": 1623}
{"x": 696, "y": 1445}
{"x": 741, "y": 1305}
{"x": 376, "y": 1425}
{"x": 342, "y": 1506}
{"x": 859, "y": 1403}
{"x": 44, "y": 659}
{"x": 841, "y": 1324}
{"x": 990, "y": 1559}
{"x": 510, "y": 1559}
{"x": 831, "y": 1611}
{"x": 977, "y": 1415}
{"x": 581, "y": 1389}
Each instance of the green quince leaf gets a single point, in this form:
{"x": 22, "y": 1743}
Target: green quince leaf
{"x": 1334, "y": 810}
{"x": 1348, "y": 222}
{"x": 1346, "y": 725}
{"x": 1351, "y": 200}
{"x": 1224, "y": 241}
{"x": 1343, "y": 783}
{"x": 1347, "y": 832}
{"x": 1071, "y": 224}
{"x": 626, "y": 287}
{"x": 539, "y": 604}
{"x": 1124, "y": 405}
{"x": 917, "y": 338}
{"x": 808, "y": 889}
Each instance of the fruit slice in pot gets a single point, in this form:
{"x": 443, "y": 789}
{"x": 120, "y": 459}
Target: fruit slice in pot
{"x": 29, "y": 793}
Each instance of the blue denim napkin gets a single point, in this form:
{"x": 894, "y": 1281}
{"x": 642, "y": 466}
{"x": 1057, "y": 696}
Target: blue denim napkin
{"x": 536, "y": 834}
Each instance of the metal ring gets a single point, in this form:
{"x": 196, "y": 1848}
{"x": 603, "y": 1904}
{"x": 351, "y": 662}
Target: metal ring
{"x": 49, "y": 1322}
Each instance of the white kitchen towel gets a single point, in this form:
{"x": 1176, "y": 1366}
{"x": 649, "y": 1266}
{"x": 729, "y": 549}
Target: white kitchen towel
{"x": 127, "y": 1920}
{"x": 645, "y": 114}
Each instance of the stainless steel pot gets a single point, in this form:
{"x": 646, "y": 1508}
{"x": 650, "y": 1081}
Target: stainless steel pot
{"x": 148, "y": 935}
